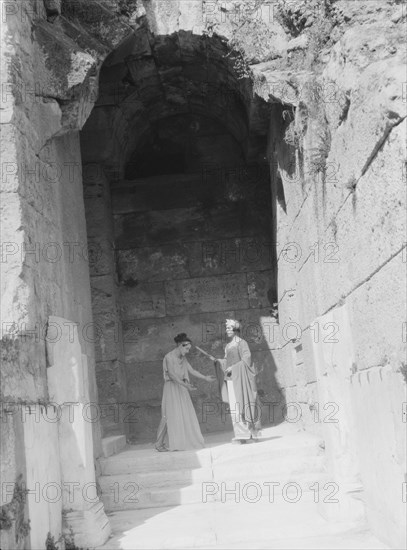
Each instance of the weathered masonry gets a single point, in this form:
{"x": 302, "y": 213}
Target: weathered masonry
{"x": 168, "y": 164}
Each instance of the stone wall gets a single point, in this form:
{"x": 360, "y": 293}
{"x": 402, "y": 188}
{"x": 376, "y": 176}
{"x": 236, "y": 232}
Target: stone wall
{"x": 110, "y": 370}
{"x": 44, "y": 268}
{"x": 339, "y": 172}
{"x": 192, "y": 250}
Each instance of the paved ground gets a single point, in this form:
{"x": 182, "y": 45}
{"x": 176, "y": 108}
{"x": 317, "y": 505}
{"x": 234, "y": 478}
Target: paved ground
{"x": 244, "y": 519}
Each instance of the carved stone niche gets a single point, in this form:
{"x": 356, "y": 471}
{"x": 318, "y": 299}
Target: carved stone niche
{"x": 67, "y": 375}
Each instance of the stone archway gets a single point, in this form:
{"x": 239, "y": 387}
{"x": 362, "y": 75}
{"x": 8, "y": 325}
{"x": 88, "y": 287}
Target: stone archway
{"x": 178, "y": 199}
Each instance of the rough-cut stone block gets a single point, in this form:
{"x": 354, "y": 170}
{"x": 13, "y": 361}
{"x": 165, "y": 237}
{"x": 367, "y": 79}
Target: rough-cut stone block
{"x": 309, "y": 277}
{"x": 150, "y": 228}
{"x": 308, "y": 336}
{"x": 23, "y": 360}
{"x": 99, "y": 220}
{"x": 100, "y": 255}
{"x": 261, "y": 288}
{"x": 207, "y": 186}
{"x": 144, "y": 301}
{"x": 284, "y": 371}
{"x": 334, "y": 363}
{"x": 159, "y": 193}
{"x": 110, "y": 384}
{"x": 102, "y": 124}
{"x": 159, "y": 263}
{"x": 143, "y": 419}
{"x": 377, "y": 211}
{"x": 384, "y": 424}
{"x": 378, "y": 315}
{"x": 372, "y": 115}
{"x": 113, "y": 445}
{"x": 104, "y": 293}
{"x": 42, "y": 470}
{"x": 11, "y": 448}
{"x": 266, "y": 367}
{"x": 206, "y": 294}
{"x": 66, "y": 374}
{"x": 145, "y": 380}
{"x": 158, "y": 227}
{"x": 216, "y": 256}
{"x": 258, "y": 328}
{"x": 106, "y": 335}
{"x": 147, "y": 340}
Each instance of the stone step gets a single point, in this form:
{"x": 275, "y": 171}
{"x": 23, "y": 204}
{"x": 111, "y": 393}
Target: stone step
{"x": 125, "y": 493}
{"x": 296, "y": 464}
{"x": 347, "y": 539}
{"x": 219, "y": 472}
{"x": 113, "y": 444}
{"x": 235, "y": 525}
{"x": 140, "y": 477}
{"x": 160, "y": 478}
{"x": 133, "y": 459}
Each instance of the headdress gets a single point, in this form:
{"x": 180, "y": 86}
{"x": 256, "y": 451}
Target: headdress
{"x": 233, "y": 324}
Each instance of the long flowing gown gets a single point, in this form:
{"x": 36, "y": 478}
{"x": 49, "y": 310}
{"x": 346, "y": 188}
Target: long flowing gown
{"x": 241, "y": 389}
{"x": 179, "y": 427}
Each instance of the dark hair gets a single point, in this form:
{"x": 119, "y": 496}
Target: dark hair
{"x": 181, "y": 337}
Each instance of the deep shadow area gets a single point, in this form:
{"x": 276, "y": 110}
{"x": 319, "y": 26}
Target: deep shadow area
{"x": 179, "y": 201}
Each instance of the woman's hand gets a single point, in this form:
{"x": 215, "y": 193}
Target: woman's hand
{"x": 210, "y": 378}
{"x": 189, "y": 386}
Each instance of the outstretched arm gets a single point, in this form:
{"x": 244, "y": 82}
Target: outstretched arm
{"x": 222, "y": 362}
{"x": 199, "y": 375}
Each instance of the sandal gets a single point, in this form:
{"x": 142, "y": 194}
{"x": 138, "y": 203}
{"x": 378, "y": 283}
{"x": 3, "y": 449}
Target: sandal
{"x": 161, "y": 449}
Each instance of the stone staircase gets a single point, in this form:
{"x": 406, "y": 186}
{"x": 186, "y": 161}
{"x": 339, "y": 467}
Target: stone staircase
{"x": 240, "y": 496}
{"x": 142, "y": 478}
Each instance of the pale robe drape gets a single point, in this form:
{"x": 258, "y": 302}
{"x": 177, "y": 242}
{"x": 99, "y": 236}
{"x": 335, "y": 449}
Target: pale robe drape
{"x": 241, "y": 388}
{"x": 179, "y": 427}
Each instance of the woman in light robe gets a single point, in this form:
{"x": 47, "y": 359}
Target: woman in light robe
{"x": 179, "y": 427}
{"x": 236, "y": 372}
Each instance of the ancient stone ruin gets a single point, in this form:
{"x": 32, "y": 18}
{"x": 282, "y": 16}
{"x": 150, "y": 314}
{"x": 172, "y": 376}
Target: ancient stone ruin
{"x": 166, "y": 164}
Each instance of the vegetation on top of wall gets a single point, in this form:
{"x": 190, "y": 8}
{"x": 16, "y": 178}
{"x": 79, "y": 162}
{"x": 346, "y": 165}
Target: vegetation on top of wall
{"x": 251, "y": 39}
{"x": 13, "y": 513}
{"x": 66, "y": 541}
{"x": 298, "y": 15}
{"x": 309, "y": 130}
{"x": 127, "y": 7}
{"x": 320, "y": 20}
{"x": 294, "y": 131}
{"x": 51, "y": 543}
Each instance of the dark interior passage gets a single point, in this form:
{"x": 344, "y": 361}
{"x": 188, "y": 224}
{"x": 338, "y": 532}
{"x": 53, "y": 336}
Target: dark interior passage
{"x": 192, "y": 249}
{"x": 179, "y": 202}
